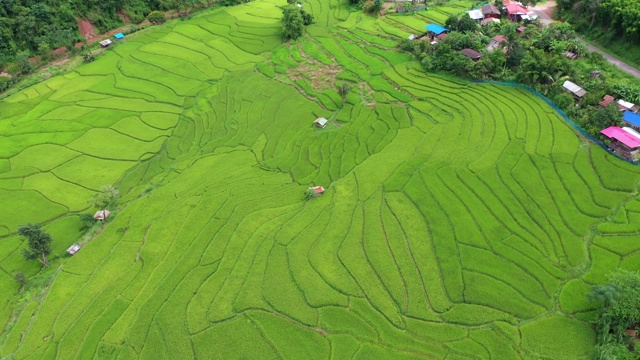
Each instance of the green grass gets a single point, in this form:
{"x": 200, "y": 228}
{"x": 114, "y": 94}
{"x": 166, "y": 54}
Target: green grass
{"x": 447, "y": 230}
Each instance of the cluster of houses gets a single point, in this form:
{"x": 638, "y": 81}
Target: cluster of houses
{"x": 513, "y": 11}
{"x": 624, "y": 140}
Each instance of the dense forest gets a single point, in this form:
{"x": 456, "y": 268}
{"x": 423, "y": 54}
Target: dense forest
{"x": 620, "y": 17}
{"x": 33, "y": 27}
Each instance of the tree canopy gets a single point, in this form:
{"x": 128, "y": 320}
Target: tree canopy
{"x": 39, "y": 243}
{"x": 620, "y": 306}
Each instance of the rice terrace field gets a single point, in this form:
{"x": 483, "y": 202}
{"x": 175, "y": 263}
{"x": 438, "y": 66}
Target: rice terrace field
{"x": 461, "y": 220}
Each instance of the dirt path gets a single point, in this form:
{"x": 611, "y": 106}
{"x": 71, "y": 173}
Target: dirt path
{"x": 545, "y": 11}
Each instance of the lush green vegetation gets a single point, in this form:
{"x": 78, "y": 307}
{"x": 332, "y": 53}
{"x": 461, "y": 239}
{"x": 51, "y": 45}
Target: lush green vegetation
{"x": 619, "y": 312}
{"x": 460, "y": 220}
{"x": 613, "y": 25}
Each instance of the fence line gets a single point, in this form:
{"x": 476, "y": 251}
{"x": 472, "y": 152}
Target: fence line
{"x": 560, "y": 112}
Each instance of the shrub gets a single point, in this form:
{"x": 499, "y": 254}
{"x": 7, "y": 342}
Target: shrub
{"x": 156, "y": 17}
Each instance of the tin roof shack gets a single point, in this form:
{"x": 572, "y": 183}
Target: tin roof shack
{"x": 101, "y": 215}
{"x": 476, "y": 15}
{"x": 315, "y": 191}
{"x": 576, "y": 90}
{"x": 105, "y": 43}
{"x": 471, "y": 54}
{"x": 321, "y": 122}
{"x": 627, "y": 106}
{"x": 624, "y": 141}
{"x": 73, "y": 249}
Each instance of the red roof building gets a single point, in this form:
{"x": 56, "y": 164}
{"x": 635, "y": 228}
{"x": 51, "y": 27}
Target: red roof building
{"x": 516, "y": 9}
{"x": 606, "y": 100}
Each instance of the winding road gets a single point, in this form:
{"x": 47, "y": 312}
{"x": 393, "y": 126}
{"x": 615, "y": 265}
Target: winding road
{"x": 543, "y": 11}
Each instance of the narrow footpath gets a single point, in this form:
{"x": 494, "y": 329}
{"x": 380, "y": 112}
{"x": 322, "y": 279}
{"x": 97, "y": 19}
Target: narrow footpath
{"x": 544, "y": 12}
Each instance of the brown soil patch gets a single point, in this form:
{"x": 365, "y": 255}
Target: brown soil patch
{"x": 87, "y": 30}
{"x": 319, "y": 75}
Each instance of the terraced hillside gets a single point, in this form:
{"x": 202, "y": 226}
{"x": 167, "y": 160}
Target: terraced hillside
{"x": 461, "y": 220}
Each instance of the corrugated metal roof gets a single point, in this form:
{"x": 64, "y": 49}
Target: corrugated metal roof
{"x": 577, "y": 90}
{"x": 436, "y": 29}
{"x": 626, "y": 104}
{"x": 614, "y": 132}
{"x": 631, "y": 118}
{"x": 475, "y": 14}
{"x": 471, "y": 53}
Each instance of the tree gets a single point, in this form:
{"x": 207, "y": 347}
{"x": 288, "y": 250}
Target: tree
{"x": 307, "y": 19}
{"x": 605, "y": 117}
{"x": 452, "y": 22}
{"x": 343, "y": 90}
{"x": 107, "y": 197}
{"x": 466, "y": 25}
{"x": 156, "y": 17}
{"x": 88, "y": 56}
{"x": 39, "y": 243}
{"x": 292, "y": 23}
{"x": 619, "y": 300}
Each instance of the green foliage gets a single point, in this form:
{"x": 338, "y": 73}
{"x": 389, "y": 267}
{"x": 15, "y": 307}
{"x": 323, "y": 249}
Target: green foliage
{"x": 38, "y": 241}
{"x": 620, "y": 306}
{"x": 156, "y": 17}
{"x": 21, "y": 279}
{"x": 293, "y": 23}
{"x": 106, "y": 198}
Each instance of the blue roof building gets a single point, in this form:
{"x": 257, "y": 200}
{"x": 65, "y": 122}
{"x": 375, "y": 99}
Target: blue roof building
{"x": 436, "y": 29}
{"x": 631, "y": 118}
{"x": 119, "y": 36}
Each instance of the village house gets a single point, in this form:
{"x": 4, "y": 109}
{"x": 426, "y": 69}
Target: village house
{"x": 576, "y": 90}
{"x": 624, "y": 141}
{"x": 487, "y": 21}
{"x": 627, "y": 106}
{"x": 490, "y": 12}
{"x": 471, "y": 54}
{"x": 476, "y": 15}
{"x": 497, "y": 42}
{"x": 632, "y": 119}
{"x": 517, "y": 12}
{"x": 436, "y": 32}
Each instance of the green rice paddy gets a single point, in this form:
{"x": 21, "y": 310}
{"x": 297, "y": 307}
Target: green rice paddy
{"x": 461, "y": 220}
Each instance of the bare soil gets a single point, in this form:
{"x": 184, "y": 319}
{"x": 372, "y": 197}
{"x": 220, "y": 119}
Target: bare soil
{"x": 87, "y": 30}
{"x": 320, "y": 76}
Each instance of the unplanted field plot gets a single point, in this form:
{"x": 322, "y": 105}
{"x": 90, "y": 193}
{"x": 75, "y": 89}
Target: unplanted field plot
{"x": 453, "y": 224}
